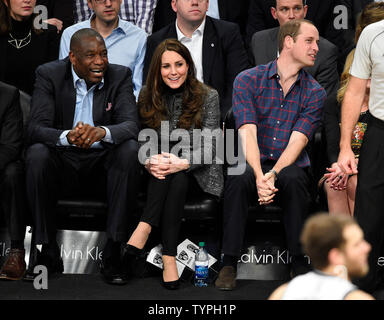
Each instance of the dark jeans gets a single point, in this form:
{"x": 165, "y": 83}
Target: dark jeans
{"x": 53, "y": 172}
{"x": 12, "y": 199}
{"x": 240, "y": 191}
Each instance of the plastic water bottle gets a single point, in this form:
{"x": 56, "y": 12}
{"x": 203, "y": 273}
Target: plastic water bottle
{"x": 201, "y": 266}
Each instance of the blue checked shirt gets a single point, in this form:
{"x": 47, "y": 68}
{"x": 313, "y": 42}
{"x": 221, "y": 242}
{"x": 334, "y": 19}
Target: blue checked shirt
{"x": 140, "y": 12}
{"x": 259, "y": 99}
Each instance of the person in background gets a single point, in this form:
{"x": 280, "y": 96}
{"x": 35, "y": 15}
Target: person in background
{"x": 338, "y": 253}
{"x": 24, "y": 44}
{"x": 173, "y": 94}
{"x": 339, "y": 187}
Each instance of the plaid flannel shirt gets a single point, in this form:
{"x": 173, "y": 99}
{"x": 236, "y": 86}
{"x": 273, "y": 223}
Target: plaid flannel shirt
{"x": 259, "y": 99}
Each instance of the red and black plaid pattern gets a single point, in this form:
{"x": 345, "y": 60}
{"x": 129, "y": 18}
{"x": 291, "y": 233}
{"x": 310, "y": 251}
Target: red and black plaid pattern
{"x": 258, "y": 98}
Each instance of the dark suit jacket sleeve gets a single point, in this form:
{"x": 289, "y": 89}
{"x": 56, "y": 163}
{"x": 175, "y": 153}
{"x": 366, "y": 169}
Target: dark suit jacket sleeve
{"x": 236, "y": 62}
{"x": 260, "y": 17}
{"x": 125, "y": 119}
{"x": 41, "y": 127}
{"x": 332, "y": 130}
{"x": 151, "y": 46}
{"x": 11, "y": 126}
{"x": 327, "y": 74}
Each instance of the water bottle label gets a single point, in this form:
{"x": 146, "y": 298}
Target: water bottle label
{"x": 201, "y": 272}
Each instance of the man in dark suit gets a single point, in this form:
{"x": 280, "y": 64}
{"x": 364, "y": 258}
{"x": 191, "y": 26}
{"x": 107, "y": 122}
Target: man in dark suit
{"x": 260, "y": 18}
{"x": 229, "y": 10}
{"x": 12, "y": 196}
{"x": 216, "y": 47}
{"x": 83, "y": 135}
{"x": 325, "y": 68}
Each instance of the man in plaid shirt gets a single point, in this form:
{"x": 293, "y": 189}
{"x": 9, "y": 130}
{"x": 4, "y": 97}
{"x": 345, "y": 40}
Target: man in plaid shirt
{"x": 277, "y": 108}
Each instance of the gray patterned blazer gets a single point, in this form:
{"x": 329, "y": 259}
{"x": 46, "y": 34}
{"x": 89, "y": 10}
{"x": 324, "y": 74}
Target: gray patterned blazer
{"x": 209, "y": 174}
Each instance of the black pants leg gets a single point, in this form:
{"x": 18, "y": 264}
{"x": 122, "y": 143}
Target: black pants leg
{"x": 164, "y": 207}
{"x": 240, "y": 190}
{"x": 12, "y": 199}
{"x": 54, "y": 172}
{"x": 122, "y": 168}
{"x": 369, "y": 205}
{"x": 294, "y": 197}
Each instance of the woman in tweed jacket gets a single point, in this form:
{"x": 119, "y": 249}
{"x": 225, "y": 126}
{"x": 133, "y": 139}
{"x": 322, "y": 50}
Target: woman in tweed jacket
{"x": 173, "y": 106}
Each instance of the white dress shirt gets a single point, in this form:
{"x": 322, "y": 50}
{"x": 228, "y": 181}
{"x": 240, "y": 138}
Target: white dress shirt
{"x": 195, "y": 47}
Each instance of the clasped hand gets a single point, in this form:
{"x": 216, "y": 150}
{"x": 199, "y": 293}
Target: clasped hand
{"x": 266, "y": 188}
{"x": 84, "y": 135}
{"x": 161, "y": 165}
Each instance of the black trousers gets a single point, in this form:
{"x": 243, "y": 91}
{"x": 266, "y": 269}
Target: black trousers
{"x": 12, "y": 199}
{"x": 108, "y": 173}
{"x": 369, "y": 204}
{"x": 164, "y": 207}
{"x": 240, "y": 191}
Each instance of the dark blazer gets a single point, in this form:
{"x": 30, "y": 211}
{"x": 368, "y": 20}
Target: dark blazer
{"x": 224, "y": 56}
{"x": 230, "y": 10}
{"x": 11, "y": 124}
{"x": 260, "y": 17}
{"x": 324, "y": 70}
{"x": 54, "y": 100}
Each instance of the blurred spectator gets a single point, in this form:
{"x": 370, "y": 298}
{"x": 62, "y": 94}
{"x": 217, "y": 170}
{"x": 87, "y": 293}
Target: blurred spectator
{"x": 338, "y": 252}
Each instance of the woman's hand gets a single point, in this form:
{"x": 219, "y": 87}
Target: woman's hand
{"x": 336, "y": 177}
{"x": 164, "y": 164}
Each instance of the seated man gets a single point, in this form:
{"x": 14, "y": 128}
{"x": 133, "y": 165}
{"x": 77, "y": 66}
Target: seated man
{"x": 83, "y": 135}
{"x": 216, "y": 46}
{"x": 12, "y": 196}
{"x": 278, "y": 107}
{"x": 125, "y": 42}
{"x": 325, "y": 68}
{"x": 338, "y": 253}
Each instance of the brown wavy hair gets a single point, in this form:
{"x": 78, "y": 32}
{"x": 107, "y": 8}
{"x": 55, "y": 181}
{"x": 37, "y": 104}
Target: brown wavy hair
{"x": 152, "y": 104}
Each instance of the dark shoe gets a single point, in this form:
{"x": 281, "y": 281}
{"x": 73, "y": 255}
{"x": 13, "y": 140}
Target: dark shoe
{"x": 113, "y": 272}
{"x": 14, "y": 267}
{"x": 54, "y": 266}
{"x": 171, "y": 285}
{"x": 134, "y": 261}
{"x": 226, "y": 279}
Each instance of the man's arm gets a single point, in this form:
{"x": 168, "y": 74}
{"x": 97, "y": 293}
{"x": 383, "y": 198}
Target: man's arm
{"x": 350, "y": 111}
{"x": 265, "y": 189}
{"x": 11, "y": 129}
{"x": 359, "y": 295}
{"x": 296, "y": 145}
{"x": 278, "y": 293}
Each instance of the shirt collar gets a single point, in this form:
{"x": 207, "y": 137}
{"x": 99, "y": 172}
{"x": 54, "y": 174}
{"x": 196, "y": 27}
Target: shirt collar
{"x": 272, "y": 72}
{"x": 199, "y": 30}
{"x": 121, "y": 26}
{"x": 76, "y": 78}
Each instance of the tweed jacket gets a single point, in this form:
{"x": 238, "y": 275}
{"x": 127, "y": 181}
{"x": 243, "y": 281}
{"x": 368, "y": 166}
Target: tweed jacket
{"x": 189, "y": 143}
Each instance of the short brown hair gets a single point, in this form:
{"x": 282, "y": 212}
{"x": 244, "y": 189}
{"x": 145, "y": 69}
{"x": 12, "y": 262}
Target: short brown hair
{"x": 292, "y": 29}
{"x": 321, "y": 233}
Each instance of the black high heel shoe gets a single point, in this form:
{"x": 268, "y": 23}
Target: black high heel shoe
{"x": 171, "y": 285}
